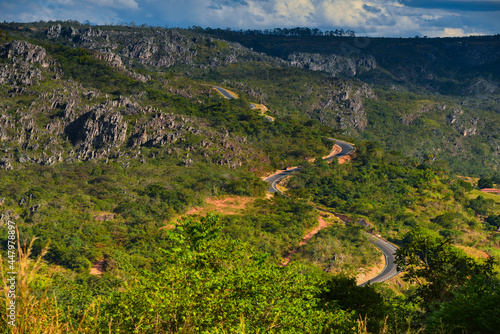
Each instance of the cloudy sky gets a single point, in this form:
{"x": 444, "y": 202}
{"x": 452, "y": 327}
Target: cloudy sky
{"x": 366, "y": 17}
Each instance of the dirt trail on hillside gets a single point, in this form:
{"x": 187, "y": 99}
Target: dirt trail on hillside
{"x": 321, "y": 225}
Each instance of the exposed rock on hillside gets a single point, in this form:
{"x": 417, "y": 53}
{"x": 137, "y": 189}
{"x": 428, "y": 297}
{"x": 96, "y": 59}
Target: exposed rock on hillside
{"x": 22, "y": 70}
{"x": 333, "y": 64}
{"x": 343, "y": 107}
{"x": 27, "y": 51}
{"x": 156, "y": 47}
{"x": 69, "y": 122}
{"x": 98, "y": 128}
{"x": 464, "y": 123}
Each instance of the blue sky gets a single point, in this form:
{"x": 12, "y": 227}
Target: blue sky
{"x": 371, "y": 18}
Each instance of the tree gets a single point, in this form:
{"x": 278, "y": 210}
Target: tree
{"x": 343, "y": 291}
{"x": 474, "y": 308}
{"x": 493, "y": 220}
{"x": 485, "y": 182}
{"x": 436, "y": 266}
{"x": 481, "y": 205}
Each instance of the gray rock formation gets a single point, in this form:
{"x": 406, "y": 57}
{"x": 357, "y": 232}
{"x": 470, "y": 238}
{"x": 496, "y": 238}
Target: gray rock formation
{"x": 333, "y": 64}
{"x": 343, "y": 107}
{"x": 24, "y": 56}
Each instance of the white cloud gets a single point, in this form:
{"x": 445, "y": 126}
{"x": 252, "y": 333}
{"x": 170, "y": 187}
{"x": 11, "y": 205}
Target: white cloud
{"x": 451, "y": 32}
{"x": 301, "y": 12}
{"x": 370, "y": 17}
{"x": 117, "y": 4}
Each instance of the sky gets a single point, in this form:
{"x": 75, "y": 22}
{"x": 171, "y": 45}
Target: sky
{"x": 385, "y": 18}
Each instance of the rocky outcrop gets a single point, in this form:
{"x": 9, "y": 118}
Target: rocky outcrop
{"x": 333, "y": 64}
{"x": 22, "y": 70}
{"x": 5, "y": 164}
{"x": 26, "y": 51}
{"x": 343, "y": 107}
{"x": 463, "y": 122}
{"x": 101, "y": 129}
{"x": 156, "y": 47}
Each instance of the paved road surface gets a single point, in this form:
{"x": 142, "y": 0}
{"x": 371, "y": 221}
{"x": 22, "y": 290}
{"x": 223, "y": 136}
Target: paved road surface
{"x": 224, "y": 92}
{"x": 390, "y": 269}
{"x": 274, "y": 179}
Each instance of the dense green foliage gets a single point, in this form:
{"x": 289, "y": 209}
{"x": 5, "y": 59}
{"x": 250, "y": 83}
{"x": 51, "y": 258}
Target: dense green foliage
{"x": 81, "y": 65}
{"x": 474, "y": 308}
{"x": 274, "y": 226}
{"x": 365, "y": 301}
{"x": 436, "y": 266}
{"x": 211, "y": 284}
{"x": 459, "y": 293}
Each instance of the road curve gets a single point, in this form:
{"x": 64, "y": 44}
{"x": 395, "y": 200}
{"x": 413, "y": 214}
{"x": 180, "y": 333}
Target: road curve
{"x": 275, "y": 179}
{"x": 390, "y": 269}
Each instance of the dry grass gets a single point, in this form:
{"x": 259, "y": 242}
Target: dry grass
{"x": 35, "y": 312}
{"x": 33, "y": 315}
{"x": 474, "y": 252}
{"x": 372, "y": 271}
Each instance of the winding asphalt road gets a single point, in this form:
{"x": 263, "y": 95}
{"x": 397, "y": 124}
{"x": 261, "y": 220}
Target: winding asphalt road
{"x": 274, "y": 179}
{"x": 390, "y": 269}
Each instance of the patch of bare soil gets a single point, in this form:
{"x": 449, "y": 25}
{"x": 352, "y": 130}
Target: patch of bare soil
{"x": 345, "y": 159}
{"x": 98, "y": 268}
{"x": 371, "y": 272}
{"x": 227, "y": 205}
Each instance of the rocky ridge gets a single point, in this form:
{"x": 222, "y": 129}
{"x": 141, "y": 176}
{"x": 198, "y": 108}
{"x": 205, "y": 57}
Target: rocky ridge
{"x": 156, "y": 47}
